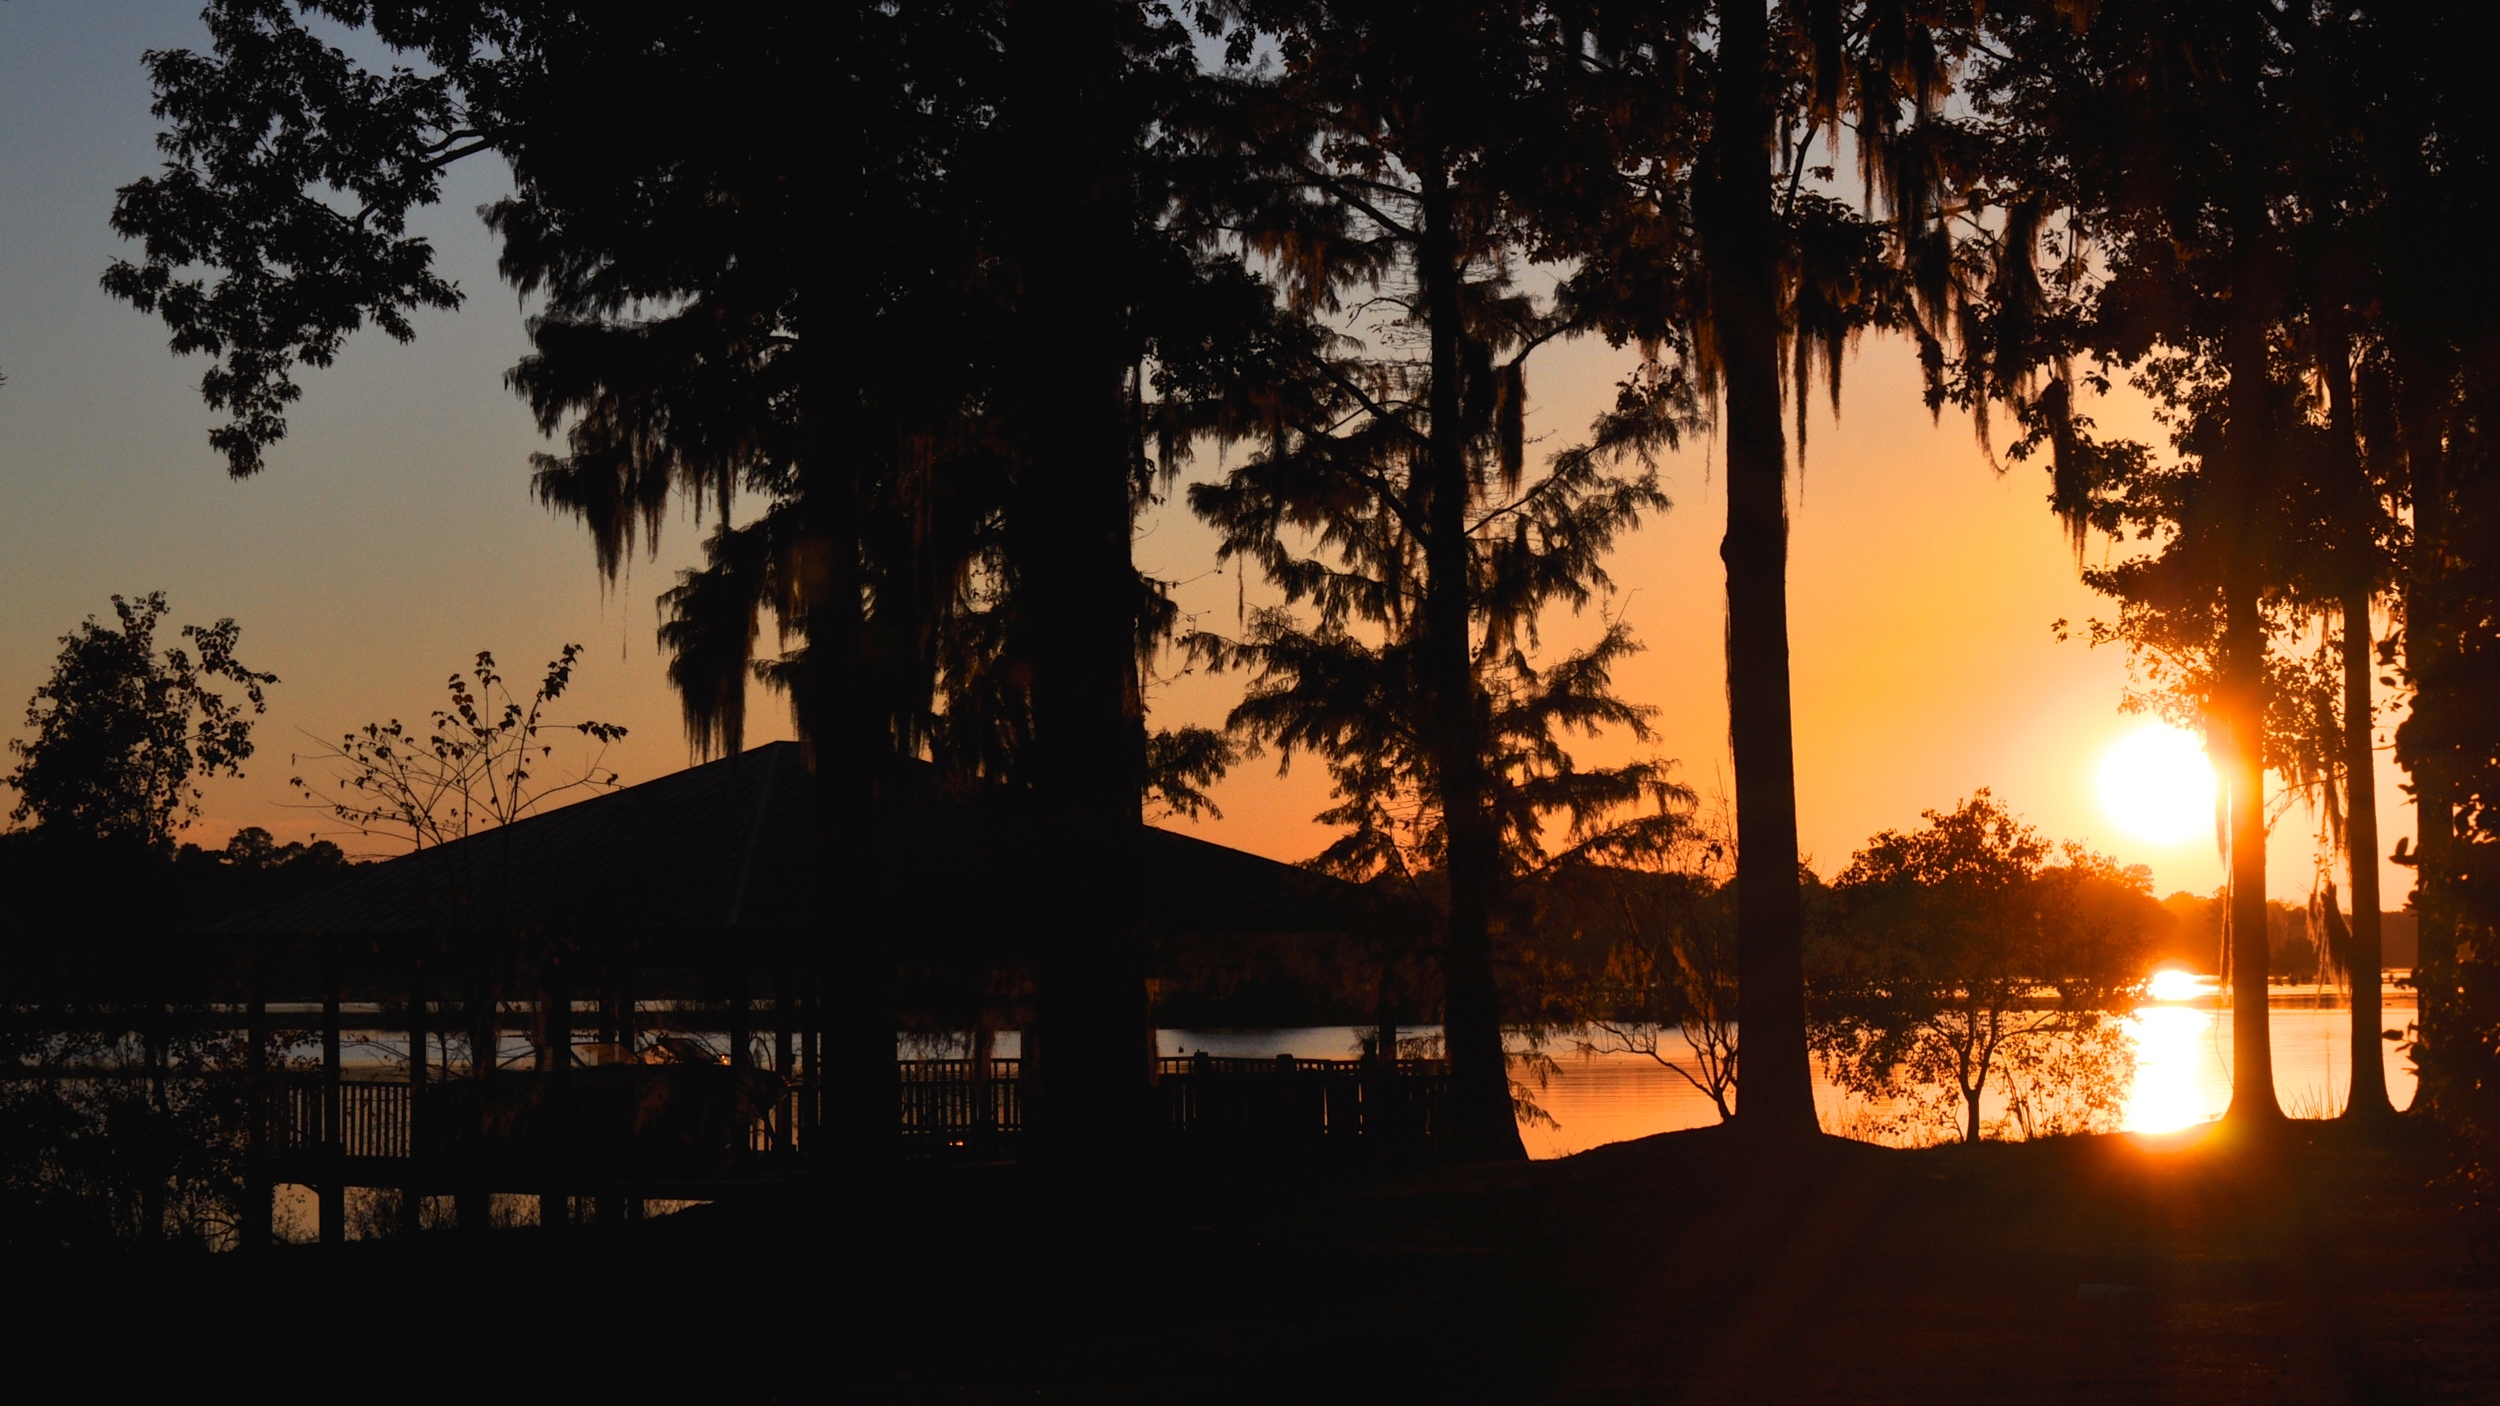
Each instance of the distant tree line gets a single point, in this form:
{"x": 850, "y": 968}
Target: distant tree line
{"x": 927, "y": 301}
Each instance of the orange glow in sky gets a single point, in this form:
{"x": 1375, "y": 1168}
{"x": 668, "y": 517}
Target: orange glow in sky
{"x": 393, "y": 535}
{"x": 1924, "y": 584}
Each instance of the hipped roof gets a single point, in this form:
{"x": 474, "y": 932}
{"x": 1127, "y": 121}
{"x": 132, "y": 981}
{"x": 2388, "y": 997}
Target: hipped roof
{"x": 732, "y": 846}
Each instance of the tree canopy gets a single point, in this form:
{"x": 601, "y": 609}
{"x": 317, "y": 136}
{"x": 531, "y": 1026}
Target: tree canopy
{"x": 1970, "y": 949}
{"x": 922, "y": 353}
{"x": 122, "y": 733}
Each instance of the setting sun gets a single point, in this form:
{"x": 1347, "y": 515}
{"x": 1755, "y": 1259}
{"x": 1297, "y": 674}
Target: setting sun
{"x": 2156, "y": 783}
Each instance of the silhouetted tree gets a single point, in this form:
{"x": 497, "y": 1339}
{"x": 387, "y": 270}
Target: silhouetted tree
{"x": 2156, "y": 139}
{"x": 1388, "y": 154}
{"x": 122, "y": 732}
{"x": 1664, "y": 929}
{"x": 2427, "y": 140}
{"x": 672, "y": 244}
{"x": 2279, "y": 197}
{"x": 2354, "y": 479}
{"x": 1713, "y": 247}
{"x": 480, "y": 764}
{"x": 1964, "y": 954}
{"x": 957, "y": 399}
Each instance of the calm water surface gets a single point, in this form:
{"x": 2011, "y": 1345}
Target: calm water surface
{"x": 2183, "y": 1070}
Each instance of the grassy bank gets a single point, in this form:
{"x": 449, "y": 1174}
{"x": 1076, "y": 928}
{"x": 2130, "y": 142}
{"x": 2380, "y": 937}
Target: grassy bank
{"x": 1686, "y": 1267}
{"x": 1691, "y": 1268}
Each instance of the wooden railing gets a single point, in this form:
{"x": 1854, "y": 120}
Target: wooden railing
{"x": 953, "y": 1107}
{"x": 697, "y": 1121}
{"x": 373, "y": 1119}
{"x": 1279, "y": 1103}
{"x": 669, "y": 1121}
{"x": 1284, "y": 1101}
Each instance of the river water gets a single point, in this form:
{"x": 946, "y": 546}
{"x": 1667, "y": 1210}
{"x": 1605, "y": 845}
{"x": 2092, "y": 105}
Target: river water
{"x": 2182, "y": 1075}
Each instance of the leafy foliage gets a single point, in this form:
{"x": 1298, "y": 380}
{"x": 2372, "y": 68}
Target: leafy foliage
{"x": 1963, "y": 953}
{"x": 1072, "y": 250}
{"x": 1181, "y": 763}
{"x": 1627, "y": 952}
{"x": 1382, "y": 173}
{"x": 97, "y": 1163}
{"x": 480, "y": 764}
{"x": 123, "y": 733}
{"x": 1344, "y": 505}
{"x": 291, "y": 172}
{"x": 152, "y": 1152}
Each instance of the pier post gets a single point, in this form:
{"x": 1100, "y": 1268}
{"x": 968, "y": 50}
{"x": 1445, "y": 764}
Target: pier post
{"x": 811, "y": 1054}
{"x": 555, "y": 1056}
{"x": 781, "y": 1060}
{"x": 333, "y": 1189}
{"x": 605, "y": 1207}
{"x": 255, "y": 1227}
{"x": 983, "y": 1132}
{"x": 741, "y": 1052}
{"x": 159, "y": 1148}
{"x": 472, "y": 1202}
{"x": 412, "y": 1186}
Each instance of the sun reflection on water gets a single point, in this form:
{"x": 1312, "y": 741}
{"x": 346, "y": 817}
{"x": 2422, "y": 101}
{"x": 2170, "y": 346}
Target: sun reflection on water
{"x": 2172, "y": 984}
{"x": 2170, "y": 1055}
{"x": 2182, "y": 1079}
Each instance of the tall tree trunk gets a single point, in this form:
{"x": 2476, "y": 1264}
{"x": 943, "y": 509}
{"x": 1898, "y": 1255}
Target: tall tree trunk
{"x": 2367, "y": 1100}
{"x": 845, "y": 698}
{"x": 850, "y": 748}
{"x": 2422, "y": 422}
{"x": 1740, "y": 242}
{"x": 2245, "y": 515}
{"x": 2420, "y": 297}
{"x": 1481, "y": 1122}
{"x": 859, "y": 1120}
{"x": 472, "y": 1202}
{"x": 1073, "y": 512}
{"x": 2244, "y": 776}
{"x": 1088, "y": 772}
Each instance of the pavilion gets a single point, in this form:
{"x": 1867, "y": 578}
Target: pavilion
{"x": 657, "y": 969}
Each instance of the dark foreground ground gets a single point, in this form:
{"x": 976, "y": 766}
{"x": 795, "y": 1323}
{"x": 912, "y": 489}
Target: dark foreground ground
{"x": 1689, "y": 1267}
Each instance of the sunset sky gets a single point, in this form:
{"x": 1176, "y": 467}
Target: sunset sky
{"x": 393, "y": 535}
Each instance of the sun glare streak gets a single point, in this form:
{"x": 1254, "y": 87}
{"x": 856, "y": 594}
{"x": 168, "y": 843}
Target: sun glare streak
{"x": 2156, "y": 783}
